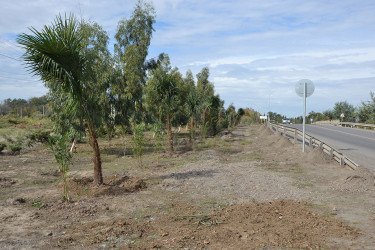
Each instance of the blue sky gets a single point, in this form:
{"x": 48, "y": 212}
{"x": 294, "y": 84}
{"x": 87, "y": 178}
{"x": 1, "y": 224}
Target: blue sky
{"x": 256, "y": 50}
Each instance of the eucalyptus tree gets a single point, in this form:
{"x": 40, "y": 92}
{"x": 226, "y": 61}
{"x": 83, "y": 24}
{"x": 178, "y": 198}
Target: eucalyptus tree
{"x": 206, "y": 90}
{"x": 181, "y": 116}
{"x": 56, "y": 54}
{"x": 133, "y": 38}
{"x": 366, "y": 112}
{"x": 192, "y": 103}
{"x": 162, "y": 95}
{"x": 344, "y": 108}
{"x": 215, "y": 105}
{"x": 101, "y": 73}
{"x": 231, "y": 114}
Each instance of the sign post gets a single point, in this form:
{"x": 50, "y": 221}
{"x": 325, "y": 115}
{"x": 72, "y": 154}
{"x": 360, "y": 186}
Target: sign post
{"x": 304, "y": 88}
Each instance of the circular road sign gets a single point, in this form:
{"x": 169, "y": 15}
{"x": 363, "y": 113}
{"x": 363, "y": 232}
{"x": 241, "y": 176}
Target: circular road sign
{"x": 309, "y": 87}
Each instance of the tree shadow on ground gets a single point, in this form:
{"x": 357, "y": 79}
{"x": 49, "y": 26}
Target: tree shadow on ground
{"x": 190, "y": 174}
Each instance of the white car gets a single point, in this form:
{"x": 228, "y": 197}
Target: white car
{"x": 286, "y": 121}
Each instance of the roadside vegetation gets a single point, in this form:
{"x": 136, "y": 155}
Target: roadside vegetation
{"x": 94, "y": 94}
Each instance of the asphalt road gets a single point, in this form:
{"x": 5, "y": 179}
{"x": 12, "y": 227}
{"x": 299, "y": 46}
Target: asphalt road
{"x": 357, "y": 144}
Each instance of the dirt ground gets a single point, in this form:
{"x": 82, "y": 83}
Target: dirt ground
{"x": 248, "y": 189}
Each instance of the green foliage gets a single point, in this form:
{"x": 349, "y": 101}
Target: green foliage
{"x": 133, "y": 38}
{"x": 2, "y": 146}
{"x": 60, "y": 148}
{"x": 138, "y": 139}
{"x": 250, "y": 116}
{"x": 275, "y": 117}
{"x": 59, "y": 56}
{"x": 158, "y": 137}
{"x": 15, "y": 148}
{"x": 39, "y": 135}
{"x": 37, "y": 204}
{"x": 15, "y": 144}
{"x": 162, "y": 94}
{"x": 14, "y": 121}
{"x": 366, "y": 112}
{"x": 316, "y": 117}
{"x": 346, "y": 108}
{"x": 222, "y": 124}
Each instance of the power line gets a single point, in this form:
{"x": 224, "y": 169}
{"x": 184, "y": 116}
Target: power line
{"x": 10, "y": 57}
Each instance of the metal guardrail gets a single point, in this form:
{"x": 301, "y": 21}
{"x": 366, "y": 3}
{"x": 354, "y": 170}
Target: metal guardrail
{"x": 346, "y": 124}
{"x": 357, "y": 125}
{"x": 297, "y": 134}
{"x": 328, "y": 122}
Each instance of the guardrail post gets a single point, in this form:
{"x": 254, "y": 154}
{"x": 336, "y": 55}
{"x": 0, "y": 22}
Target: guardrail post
{"x": 342, "y": 162}
{"x": 284, "y": 131}
{"x": 321, "y": 145}
{"x": 331, "y": 152}
{"x": 310, "y": 142}
{"x": 295, "y": 136}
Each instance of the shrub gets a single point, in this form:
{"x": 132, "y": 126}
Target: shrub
{"x": 59, "y": 146}
{"x": 14, "y": 121}
{"x": 15, "y": 148}
{"x": 2, "y": 146}
{"x": 15, "y": 144}
{"x": 39, "y": 136}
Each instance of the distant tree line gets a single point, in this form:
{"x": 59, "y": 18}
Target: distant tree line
{"x": 364, "y": 113}
{"x": 33, "y": 107}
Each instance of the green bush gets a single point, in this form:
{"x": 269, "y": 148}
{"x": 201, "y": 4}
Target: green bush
{"x": 2, "y": 146}
{"x": 39, "y": 136}
{"x": 15, "y": 148}
{"x": 14, "y": 121}
{"x": 15, "y": 144}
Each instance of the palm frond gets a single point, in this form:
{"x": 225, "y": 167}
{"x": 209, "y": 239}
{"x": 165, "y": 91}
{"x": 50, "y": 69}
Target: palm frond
{"x": 54, "y": 54}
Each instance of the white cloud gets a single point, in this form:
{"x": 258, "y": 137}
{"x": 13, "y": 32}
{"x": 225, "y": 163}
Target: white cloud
{"x": 256, "y": 50}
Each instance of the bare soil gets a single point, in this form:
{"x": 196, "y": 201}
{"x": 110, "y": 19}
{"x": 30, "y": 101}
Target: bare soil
{"x": 246, "y": 189}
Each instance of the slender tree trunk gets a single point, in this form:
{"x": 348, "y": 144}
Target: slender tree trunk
{"x": 73, "y": 148}
{"x": 204, "y": 117}
{"x": 191, "y": 129}
{"x": 169, "y": 133}
{"x": 204, "y": 131}
{"x": 98, "y": 175}
{"x": 109, "y": 134}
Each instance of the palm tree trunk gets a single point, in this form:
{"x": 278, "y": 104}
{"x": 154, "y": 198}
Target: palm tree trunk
{"x": 169, "y": 132}
{"x": 98, "y": 175}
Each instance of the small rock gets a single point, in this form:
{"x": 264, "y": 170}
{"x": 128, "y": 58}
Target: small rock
{"x": 50, "y": 234}
{"x": 164, "y": 234}
{"x": 206, "y": 242}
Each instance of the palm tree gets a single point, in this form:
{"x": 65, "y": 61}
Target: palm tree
{"x": 55, "y": 54}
